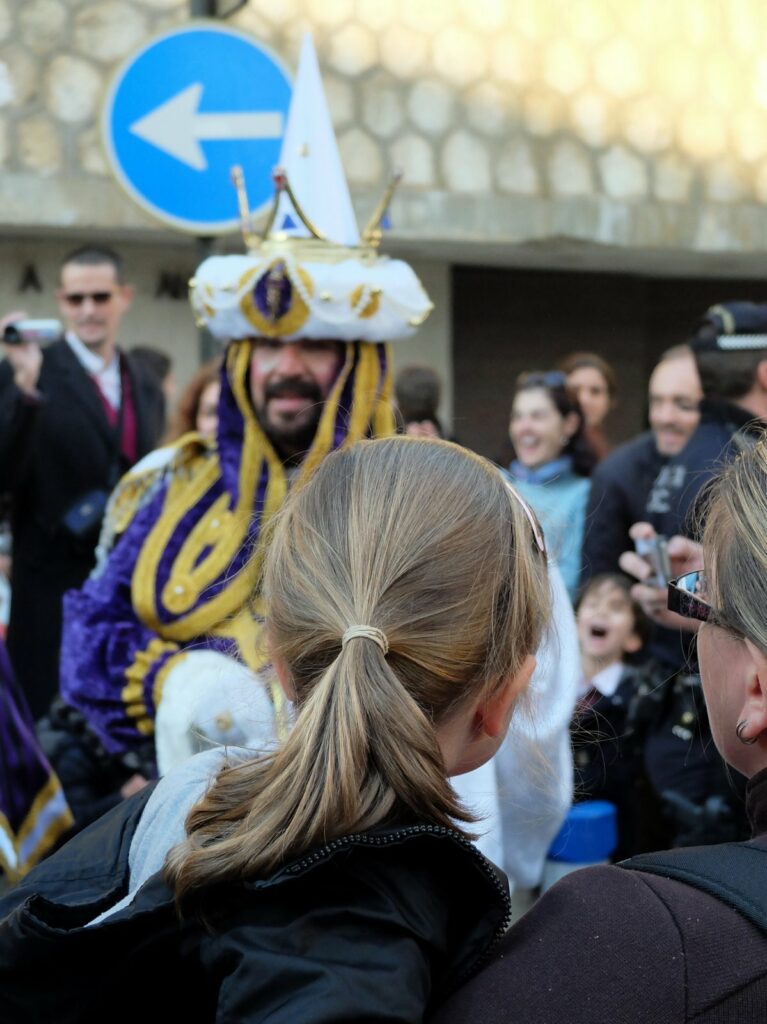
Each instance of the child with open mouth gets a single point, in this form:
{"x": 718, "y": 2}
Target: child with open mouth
{"x": 612, "y": 630}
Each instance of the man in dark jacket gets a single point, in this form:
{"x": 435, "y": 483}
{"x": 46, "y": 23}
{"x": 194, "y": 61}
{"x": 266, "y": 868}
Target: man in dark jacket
{"x": 730, "y": 349}
{"x": 640, "y": 482}
{"x": 73, "y": 418}
{"x": 633, "y": 484}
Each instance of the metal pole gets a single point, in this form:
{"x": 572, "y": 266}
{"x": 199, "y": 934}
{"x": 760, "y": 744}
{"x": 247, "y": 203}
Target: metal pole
{"x": 207, "y": 345}
{"x": 202, "y": 8}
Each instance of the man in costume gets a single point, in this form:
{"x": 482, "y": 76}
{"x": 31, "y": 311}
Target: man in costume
{"x": 163, "y": 643}
{"x": 74, "y": 417}
{"x": 169, "y": 624}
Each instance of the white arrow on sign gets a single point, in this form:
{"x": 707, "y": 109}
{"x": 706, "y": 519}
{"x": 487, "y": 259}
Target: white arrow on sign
{"x": 177, "y": 128}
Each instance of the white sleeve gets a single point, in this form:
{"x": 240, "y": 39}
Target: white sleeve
{"x": 534, "y": 767}
{"x": 162, "y": 822}
{"x": 478, "y": 791}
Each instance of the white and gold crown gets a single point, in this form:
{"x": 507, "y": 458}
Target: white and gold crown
{"x": 309, "y": 274}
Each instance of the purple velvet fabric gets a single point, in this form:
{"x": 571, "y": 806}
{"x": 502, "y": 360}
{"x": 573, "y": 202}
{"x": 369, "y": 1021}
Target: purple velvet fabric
{"x": 102, "y": 633}
{"x": 24, "y": 770}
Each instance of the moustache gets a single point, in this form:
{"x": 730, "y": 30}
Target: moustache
{"x": 293, "y": 387}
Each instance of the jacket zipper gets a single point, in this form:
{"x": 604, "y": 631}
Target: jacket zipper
{"x": 365, "y": 839}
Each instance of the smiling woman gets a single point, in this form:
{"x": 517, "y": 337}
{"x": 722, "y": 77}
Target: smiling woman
{"x": 553, "y": 459}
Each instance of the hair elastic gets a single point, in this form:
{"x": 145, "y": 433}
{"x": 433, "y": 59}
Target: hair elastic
{"x": 368, "y": 633}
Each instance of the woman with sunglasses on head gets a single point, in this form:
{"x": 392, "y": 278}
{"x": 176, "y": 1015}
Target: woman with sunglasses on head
{"x": 679, "y": 936}
{"x": 552, "y": 462}
{"x": 331, "y": 879}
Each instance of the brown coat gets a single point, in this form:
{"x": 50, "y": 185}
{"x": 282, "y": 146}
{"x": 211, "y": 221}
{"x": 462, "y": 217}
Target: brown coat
{"x": 611, "y": 946}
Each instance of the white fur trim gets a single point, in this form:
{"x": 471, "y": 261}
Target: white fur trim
{"x": 209, "y": 700}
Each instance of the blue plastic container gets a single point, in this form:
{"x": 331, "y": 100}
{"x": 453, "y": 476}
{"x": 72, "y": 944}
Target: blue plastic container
{"x": 588, "y": 836}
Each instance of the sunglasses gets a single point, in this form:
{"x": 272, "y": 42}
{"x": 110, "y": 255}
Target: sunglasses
{"x": 78, "y": 298}
{"x": 687, "y": 596}
{"x": 544, "y": 379}
{"x": 535, "y": 526}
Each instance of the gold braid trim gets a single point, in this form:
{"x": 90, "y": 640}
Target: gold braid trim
{"x": 162, "y": 675}
{"x": 220, "y": 529}
{"x": 56, "y": 828}
{"x": 224, "y": 530}
{"x": 384, "y": 424}
{"x": 133, "y": 691}
{"x": 323, "y": 439}
{"x": 296, "y": 314}
{"x": 366, "y": 381}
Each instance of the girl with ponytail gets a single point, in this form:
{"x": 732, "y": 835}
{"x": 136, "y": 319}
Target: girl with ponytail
{"x": 332, "y": 878}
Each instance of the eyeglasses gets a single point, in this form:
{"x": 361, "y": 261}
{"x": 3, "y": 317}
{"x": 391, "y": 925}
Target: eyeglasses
{"x": 78, "y": 298}
{"x": 688, "y": 596}
{"x": 535, "y": 526}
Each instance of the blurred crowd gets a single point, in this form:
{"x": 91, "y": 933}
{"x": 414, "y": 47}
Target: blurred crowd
{"x": 288, "y": 672}
{"x": 77, "y": 414}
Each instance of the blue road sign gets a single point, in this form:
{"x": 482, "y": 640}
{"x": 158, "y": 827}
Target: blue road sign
{"x": 183, "y": 110}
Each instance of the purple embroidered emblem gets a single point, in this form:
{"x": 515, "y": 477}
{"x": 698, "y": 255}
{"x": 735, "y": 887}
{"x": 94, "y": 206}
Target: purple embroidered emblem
{"x": 273, "y": 293}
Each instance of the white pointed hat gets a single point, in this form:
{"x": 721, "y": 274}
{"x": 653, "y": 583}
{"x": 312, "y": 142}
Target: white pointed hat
{"x": 310, "y": 274}
{"x": 310, "y": 159}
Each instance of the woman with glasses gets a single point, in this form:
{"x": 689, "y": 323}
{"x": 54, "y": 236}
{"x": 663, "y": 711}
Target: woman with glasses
{"x": 552, "y": 462}
{"x": 679, "y": 936}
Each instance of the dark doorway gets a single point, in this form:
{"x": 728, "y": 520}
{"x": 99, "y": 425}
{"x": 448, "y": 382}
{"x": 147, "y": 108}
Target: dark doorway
{"x": 507, "y": 321}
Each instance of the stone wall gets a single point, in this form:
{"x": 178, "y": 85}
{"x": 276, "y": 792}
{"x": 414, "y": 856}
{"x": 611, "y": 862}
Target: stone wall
{"x": 639, "y": 124}
{"x": 56, "y": 57}
{"x": 579, "y": 134}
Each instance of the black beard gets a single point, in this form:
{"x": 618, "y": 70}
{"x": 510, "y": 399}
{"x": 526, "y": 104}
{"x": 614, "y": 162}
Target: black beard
{"x": 292, "y": 441}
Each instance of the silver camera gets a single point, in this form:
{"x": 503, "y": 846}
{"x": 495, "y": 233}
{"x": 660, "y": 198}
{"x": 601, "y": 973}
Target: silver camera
{"x": 654, "y": 550}
{"x": 41, "y": 332}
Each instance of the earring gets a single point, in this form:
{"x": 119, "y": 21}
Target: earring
{"x": 739, "y": 733}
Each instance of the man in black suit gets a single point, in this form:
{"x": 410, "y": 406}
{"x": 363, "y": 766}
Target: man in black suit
{"x": 73, "y": 418}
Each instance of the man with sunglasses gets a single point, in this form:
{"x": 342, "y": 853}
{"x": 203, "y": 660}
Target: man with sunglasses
{"x": 74, "y": 416}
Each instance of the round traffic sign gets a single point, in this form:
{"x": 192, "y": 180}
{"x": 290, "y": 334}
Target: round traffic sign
{"x": 183, "y": 110}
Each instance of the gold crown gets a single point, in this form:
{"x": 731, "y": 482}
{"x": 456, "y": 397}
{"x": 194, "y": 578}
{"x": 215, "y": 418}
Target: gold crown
{"x": 289, "y": 286}
{"x": 254, "y": 240}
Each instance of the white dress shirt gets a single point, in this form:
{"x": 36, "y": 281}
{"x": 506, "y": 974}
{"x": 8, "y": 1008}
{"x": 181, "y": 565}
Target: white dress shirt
{"x": 106, "y": 374}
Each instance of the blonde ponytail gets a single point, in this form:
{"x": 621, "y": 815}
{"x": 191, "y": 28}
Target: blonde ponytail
{"x": 422, "y": 542}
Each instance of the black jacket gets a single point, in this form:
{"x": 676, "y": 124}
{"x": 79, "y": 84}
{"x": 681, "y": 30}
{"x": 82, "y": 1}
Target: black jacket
{"x": 52, "y": 454}
{"x": 373, "y": 927}
{"x": 724, "y": 430}
{"x": 620, "y": 486}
